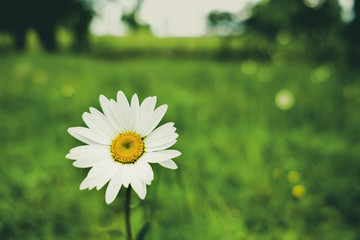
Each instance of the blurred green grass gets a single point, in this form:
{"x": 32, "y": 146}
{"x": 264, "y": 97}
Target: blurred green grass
{"x": 242, "y": 156}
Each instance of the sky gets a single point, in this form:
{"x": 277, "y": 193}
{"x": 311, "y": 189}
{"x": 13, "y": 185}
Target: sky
{"x": 172, "y": 18}
{"x": 167, "y": 18}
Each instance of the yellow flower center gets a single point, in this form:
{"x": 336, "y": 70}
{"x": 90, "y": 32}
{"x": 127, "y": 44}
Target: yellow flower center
{"x": 127, "y": 148}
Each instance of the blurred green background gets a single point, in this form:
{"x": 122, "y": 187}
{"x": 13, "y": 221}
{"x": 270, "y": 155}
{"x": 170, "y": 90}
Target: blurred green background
{"x": 268, "y": 119}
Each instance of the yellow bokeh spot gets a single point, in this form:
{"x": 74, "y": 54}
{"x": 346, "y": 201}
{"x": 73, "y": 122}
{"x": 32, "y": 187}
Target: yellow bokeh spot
{"x": 298, "y": 191}
{"x": 294, "y": 176}
{"x": 284, "y": 99}
{"x": 67, "y": 90}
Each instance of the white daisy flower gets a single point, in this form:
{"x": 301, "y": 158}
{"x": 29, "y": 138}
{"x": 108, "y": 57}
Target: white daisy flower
{"x": 121, "y": 142}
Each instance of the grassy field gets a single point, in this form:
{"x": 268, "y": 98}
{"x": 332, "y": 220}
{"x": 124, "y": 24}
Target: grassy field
{"x": 270, "y": 150}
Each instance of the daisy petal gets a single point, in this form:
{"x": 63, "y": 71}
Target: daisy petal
{"x": 88, "y": 151}
{"x": 161, "y": 141}
{"x": 127, "y": 174}
{"x": 123, "y": 109}
{"x": 156, "y": 157}
{"x": 147, "y": 182}
{"x": 85, "y": 183}
{"x": 118, "y": 117}
{"x": 100, "y": 117}
{"x": 98, "y": 125}
{"x": 156, "y": 117}
{"x": 99, "y": 167}
{"x": 88, "y": 136}
{"x": 113, "y": 187}
{"x": 85, "y": 163}
{"x": 108, "y": 110}
{"x": 144, "y": 169}
{"x": 139, "y": 187}
{"x": 120, "y": 97}
{"x": 147, "y": 168}
{"x": 106, "y": 175}
{"x": 162, "y": 131}
{"x": 169, "y": 164}
{"x": 91, "y": 183}
{"x": 134, "y": 112}
{"x": 160, "y": 147}
{"x": 145, "y": 113}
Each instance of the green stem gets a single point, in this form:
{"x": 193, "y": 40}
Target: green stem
{"x": 127, "y": 213}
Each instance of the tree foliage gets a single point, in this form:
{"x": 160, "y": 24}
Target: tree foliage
{"x": 44, "y": 16}
{"x": 296, "y": 16}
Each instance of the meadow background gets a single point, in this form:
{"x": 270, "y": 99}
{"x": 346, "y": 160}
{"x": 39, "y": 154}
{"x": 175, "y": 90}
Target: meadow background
{"x": 270, "y": 146}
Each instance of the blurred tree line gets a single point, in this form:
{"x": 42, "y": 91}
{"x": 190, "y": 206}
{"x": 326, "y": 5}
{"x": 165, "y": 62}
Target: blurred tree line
{"x": 317, "y": 23}
{"x": 44, "y": 16}
{"x": 131, "y": 19}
